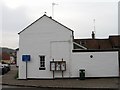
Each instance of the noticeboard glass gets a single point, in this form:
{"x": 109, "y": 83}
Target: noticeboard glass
{"x": 57, "y": 66}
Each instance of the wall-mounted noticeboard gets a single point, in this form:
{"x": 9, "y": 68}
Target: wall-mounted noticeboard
{"x": 57, "y": 65}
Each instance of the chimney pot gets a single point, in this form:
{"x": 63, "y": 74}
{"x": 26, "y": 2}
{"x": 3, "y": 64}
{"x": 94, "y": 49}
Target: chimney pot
{"x": 93, "y": 35}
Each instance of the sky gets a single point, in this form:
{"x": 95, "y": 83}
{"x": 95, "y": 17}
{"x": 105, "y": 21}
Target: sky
{"x": 78, "y": 15}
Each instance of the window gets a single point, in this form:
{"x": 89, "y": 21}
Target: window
{"x": 82, "y": 42}
{"x": 42, "y": 63}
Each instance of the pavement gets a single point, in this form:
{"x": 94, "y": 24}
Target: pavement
{"x": 87, "y": 84}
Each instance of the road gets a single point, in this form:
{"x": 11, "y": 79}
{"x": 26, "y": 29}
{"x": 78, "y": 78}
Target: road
{"x": 5, "y": 87}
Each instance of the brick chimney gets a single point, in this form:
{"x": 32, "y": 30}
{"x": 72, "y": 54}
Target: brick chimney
{"x": 93, "y": 35}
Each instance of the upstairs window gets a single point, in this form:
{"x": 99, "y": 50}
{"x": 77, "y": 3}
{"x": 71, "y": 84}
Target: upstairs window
{"x": 42, "y": 62}
{"x": 82, "y": 42}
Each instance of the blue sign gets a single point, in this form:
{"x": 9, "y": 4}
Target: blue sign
{"x": 25, "y": 57}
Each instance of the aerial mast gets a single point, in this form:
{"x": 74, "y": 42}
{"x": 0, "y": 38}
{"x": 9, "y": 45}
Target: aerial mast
{"x": 53, "y": 4}
{"x": 94, "y": 28}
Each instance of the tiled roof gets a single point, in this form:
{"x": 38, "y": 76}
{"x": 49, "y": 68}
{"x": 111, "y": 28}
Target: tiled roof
{"x": 5, "y": 56}
{"x": 115, "y": 40}
{"x": 110, "y": 43}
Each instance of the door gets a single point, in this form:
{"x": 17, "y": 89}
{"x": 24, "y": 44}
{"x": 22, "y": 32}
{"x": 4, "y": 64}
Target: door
{"x": 59, "y": 51}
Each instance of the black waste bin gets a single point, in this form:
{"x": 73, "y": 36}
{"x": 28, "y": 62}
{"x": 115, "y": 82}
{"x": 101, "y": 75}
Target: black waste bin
{"x": 82, "y": 74}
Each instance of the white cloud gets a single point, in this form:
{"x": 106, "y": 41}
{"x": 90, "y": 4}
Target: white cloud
{"x": 10, "y": 40}
{"x": 79, "y": 17}
{"x": 13, "y": 21}
{"x": 75, "y": 14}
{"x": 0, "y": 23}
{"x": 13, "y": 3}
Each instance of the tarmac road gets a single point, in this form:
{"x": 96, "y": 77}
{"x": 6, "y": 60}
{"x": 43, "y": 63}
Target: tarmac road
{"x": 6, "y": 87}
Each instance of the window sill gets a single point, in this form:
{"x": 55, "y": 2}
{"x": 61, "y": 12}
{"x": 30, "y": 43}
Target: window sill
{"x": 41, "y": 68}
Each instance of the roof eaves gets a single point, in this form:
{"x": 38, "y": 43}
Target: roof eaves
{"x": 61, "y": 24}
{"x": 17, "y": 49}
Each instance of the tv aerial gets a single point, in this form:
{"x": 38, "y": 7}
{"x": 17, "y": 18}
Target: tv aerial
{"x": 94, "y": 27}
{"x": 53, "y": 4}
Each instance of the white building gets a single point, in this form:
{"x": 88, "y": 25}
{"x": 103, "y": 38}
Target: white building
{"x": 46, "y": 51}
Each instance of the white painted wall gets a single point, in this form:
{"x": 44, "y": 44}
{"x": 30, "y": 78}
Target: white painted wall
{"x": 39, "y": 39}
{"x": 46, "y": 37}
{"x": 61, "y": 50}
{"x": 18, "y": 58}
{"x": 12, "y": 59}
{"x": 103, "y": 64}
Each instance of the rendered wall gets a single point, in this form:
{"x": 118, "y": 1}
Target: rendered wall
{"x": 18, "y": 58}
{"x": 38, "y": 40}
{"x": 46, "y": 37}
{"x": 102, "y": 64}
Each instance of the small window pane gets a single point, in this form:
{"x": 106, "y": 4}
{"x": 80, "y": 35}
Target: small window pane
{"x": 42, "y": 61}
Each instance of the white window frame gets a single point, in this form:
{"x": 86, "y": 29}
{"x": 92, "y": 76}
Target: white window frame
{"x": 42, "y": 62}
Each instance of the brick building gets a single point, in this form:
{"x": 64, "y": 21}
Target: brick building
{"x": 113, "y": 42}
